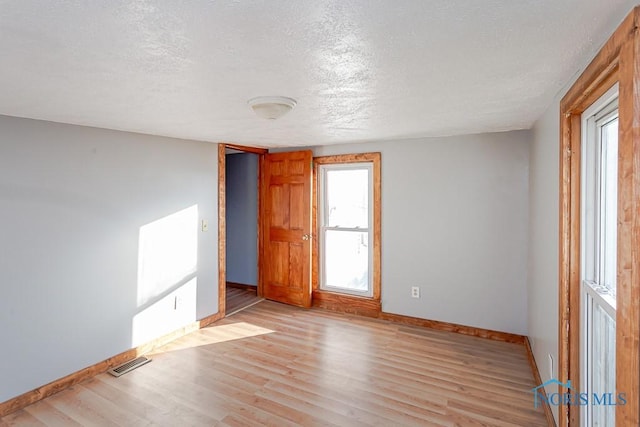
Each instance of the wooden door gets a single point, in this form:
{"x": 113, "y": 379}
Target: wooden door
{"x": 286, "y": 225}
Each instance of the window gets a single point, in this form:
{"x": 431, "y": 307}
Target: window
{"x": 598, "y": 266}
{"x": 346, "y": 255}
{"x": 346, "y": 213}
{"x": 616, "y": 62}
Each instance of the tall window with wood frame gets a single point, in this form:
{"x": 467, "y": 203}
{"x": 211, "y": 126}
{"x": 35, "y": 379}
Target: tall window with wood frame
{"x": 347, "y": 227}
{"x": 599, "y": 280}
{"x": 598, "y": 265}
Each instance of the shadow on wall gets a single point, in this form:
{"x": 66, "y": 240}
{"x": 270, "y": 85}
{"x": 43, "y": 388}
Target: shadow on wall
{"x": 167, "y": 275}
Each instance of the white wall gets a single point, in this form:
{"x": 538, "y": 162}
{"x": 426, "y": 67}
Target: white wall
{"x": 81, "y": 277}
{"x": 242, "y": 218}
{"x": 454, "y": 222}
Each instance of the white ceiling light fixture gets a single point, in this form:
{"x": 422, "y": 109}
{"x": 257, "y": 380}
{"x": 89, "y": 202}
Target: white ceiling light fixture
{"x": 271, "y": 107}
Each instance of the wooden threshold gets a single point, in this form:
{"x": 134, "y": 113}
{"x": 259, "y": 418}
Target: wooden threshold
{"x": 242, "y": 286}
{"x": 63, "y": 383}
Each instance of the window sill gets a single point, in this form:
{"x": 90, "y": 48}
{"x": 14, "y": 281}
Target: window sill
{"x": 346, "y": 303}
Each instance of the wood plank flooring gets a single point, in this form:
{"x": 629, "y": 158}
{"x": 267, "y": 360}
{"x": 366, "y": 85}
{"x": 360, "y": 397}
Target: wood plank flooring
{"x": 237, "y": 299}
{"x": 277, "y": 365}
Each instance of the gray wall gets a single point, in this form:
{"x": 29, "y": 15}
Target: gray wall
{"x": 74, "y": 203}
{"x": 454, "y": 223}
{"x": 242, "y": 218}
{"x": 543, "y": 243}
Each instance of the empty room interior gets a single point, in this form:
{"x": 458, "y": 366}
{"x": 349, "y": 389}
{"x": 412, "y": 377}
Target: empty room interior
{"x": 243, "y": 213}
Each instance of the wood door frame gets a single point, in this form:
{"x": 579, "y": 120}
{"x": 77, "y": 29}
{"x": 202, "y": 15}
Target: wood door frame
{"x": 617, "y": 62}
{"x": 222, "y": 221}
{"x": 369, "y": 306}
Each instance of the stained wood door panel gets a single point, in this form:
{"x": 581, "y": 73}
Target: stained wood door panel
{"x": 286, "y": 215}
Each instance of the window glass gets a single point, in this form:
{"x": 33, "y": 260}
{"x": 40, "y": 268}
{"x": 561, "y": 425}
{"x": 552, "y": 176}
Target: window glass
{"x": 347, "y": 198}
{"x": 347, "y": 260}
{"x": 345, "y": 214}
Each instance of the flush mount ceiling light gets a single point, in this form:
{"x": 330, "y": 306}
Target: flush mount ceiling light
{"x": 271, "y": 107}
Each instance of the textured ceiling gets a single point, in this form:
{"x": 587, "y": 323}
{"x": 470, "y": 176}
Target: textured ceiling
{"x": 360, "y": 70}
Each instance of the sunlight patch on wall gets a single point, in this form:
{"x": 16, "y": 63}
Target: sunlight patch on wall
{"x": 170, "y": 313}
{"x": 167, "y": 253}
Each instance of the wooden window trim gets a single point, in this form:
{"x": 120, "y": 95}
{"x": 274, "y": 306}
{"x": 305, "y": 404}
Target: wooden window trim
{"x": 368, "y": 306}
{"x": 616, "y": 62}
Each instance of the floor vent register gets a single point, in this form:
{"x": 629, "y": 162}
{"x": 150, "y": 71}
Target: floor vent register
{"x": 129, "y": 366}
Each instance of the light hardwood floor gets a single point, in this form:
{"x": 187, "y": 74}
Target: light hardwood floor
{"x": 277, "y": 365}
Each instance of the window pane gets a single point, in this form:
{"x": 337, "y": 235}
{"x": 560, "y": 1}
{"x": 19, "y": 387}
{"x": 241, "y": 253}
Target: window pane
{"x": 610, "y": 201}
{"x": 590, "y": 211}
{"x": 347, "y": 196}
{"x": 603, "y": 364}
{"x": 599, "y": 163}
{"x": 346, "y": 263}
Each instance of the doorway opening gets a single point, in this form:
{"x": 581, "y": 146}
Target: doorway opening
{"x": 242, "y": 182}
{"x": 238, "y": 228}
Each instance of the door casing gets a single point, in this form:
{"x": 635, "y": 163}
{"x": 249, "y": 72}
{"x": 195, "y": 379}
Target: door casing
{"x": 222, "y": 223}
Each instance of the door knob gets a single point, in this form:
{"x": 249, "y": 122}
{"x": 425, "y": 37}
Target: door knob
{"x": 306, "y": 236}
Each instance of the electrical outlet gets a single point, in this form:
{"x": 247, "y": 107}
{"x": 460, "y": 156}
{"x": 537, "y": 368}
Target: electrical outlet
{"x": 415, "y": 292}
{"x": 551, "y": 366}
